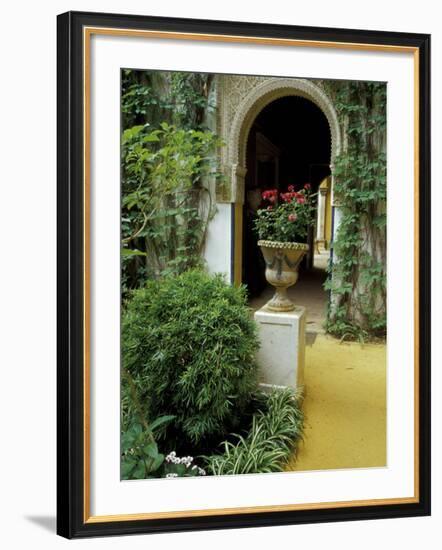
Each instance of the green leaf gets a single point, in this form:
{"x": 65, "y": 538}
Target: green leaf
{"x": 140, "y": 470}
{"x": 137, "y": 429}
{"x": 151, "y": 449}
{"x": 132, "y": 252}
{"x": 151, "y": 137}
{"x": 130, "y": 133}
{"x": 161, "y": 421}
{"x": 127, "y": 440}
{"x": 126, "y": 469}
{"x": 157, "y": 462}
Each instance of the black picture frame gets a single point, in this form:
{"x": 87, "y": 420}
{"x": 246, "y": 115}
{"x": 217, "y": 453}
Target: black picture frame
{"x": 71, "y": 520}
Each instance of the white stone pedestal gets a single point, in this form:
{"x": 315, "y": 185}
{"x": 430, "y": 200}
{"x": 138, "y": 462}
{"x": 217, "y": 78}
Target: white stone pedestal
{"x": 281, "y": 357}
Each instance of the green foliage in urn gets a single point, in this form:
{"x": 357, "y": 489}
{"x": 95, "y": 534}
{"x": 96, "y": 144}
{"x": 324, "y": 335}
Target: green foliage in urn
{"x": 189, "y": 346}
{"x": 287, "y": 216}
{"x": 358, "y": 273}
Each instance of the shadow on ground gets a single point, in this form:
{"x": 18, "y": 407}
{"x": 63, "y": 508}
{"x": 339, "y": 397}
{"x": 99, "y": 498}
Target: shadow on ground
{"x": 48, "y": 523}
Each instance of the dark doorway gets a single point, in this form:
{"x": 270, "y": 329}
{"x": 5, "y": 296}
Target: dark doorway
{"x": 288, "y": 144}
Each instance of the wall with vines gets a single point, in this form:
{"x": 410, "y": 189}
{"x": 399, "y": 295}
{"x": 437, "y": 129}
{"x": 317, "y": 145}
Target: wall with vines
{"x": 167, "y": 154}
{"x": 357, "y": 279}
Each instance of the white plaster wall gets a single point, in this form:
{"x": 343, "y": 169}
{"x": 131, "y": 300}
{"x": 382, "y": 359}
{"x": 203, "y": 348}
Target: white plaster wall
{"x": 336, "y": 217}
{"x": 218, "y": 247}
{"x": 217, "y": 252}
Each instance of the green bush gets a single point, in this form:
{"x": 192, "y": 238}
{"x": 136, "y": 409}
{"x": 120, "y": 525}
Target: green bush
{"x": 277, "y": 427}
{"x": 140, "y": 457}
{"x": 188, "y": 343}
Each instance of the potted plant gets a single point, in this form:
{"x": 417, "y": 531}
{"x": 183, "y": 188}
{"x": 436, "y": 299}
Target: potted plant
{"x": 282, "y": 224}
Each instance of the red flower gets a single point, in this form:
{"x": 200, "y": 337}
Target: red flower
{"x": 269, "y": 193}
{"x": 288, "y": 197}
{"x": 300, "y": 200}
{"x": 290, "y": 188}
{"x": 292, "y": 217}
{"x": 307, "y": 186}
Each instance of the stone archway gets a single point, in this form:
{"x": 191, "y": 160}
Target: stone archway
{"x": 242, "y": 99}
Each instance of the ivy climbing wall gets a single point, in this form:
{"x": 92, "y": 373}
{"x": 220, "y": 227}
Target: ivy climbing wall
{"x": 358, "y": 273}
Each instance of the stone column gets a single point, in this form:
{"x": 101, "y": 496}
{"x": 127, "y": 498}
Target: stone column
{"x": 281, "y": 356}
{"x": 320, "y": 228}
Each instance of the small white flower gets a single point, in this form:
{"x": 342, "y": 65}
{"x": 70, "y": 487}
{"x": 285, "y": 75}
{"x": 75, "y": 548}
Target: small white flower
{"x": 171, "y": 475}
{"x": 171, "y": 456}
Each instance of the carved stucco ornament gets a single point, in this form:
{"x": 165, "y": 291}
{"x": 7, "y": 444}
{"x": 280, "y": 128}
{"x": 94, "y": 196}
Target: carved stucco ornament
{"x": 240, "y": 99}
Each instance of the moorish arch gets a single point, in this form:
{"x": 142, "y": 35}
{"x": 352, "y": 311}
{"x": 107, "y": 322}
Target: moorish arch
{"x": 253, "y": 103}
{"x": 243, "y": 98}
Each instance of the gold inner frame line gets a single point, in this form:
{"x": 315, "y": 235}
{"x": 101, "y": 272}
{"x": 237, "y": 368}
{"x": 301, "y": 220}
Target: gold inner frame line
{"x": 87, "y": 33}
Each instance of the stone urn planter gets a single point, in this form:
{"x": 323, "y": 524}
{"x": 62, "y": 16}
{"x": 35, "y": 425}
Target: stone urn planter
{"x": 282, "y": 263}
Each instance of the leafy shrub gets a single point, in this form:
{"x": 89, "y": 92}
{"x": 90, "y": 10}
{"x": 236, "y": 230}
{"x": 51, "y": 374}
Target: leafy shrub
{"x": 165, "y": 204}
{"x": 188, "y": 343}
{"x": 276, "y": 428}
{"x": 140, "y": 457}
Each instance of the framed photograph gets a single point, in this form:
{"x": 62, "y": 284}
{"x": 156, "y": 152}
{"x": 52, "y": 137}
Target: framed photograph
{"x": 243, "y": 274}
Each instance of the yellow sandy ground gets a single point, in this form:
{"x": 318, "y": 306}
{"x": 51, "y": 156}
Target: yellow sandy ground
{"x": 345, "y": 406}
